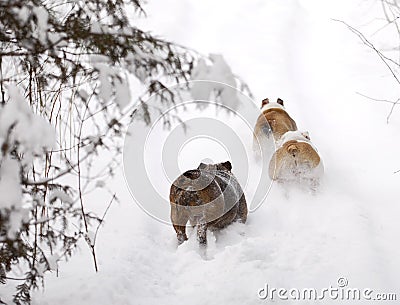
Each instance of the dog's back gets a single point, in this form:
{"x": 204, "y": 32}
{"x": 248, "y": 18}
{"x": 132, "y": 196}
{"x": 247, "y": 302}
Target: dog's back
{"x": 209, "y": 197}
{"x": 195, "y": 194}
{"x": 279, "y": 121}
{"x": 296, "y": 159}
{"x": 274, "y": 120}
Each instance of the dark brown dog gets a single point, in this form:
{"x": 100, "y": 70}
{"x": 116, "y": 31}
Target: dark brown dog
{"x": 210, "y": 197}
{"x": 296, "y": 160}
{"x": 273, "y": 120}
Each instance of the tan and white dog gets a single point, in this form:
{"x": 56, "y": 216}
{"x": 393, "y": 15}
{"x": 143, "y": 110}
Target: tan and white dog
{"x": 296, "y": 160}
{"x": 273, "y": 120}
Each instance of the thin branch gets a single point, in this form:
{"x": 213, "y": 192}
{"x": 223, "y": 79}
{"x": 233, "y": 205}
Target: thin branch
{"x": 383, "y": 58}
{"x": 391, "y": 111}
{"x": 62, "y": 173}
{"x": 370, "y": 45}
{"x": 14, "y": 278}
{"x": 102, "y": 219}
{"x": 375, "y": 99}
{"x": 385, "y": 101}
{"x": 3, "y": 101}
{"x": 386, "y": 25}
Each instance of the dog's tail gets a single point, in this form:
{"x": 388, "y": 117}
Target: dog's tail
{"x": 293, "y": 150}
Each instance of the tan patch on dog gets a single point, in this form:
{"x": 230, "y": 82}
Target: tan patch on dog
{"x": 294, "y": 160}
{"x": 279, "y": 121}
{"x": 273, "y": 120}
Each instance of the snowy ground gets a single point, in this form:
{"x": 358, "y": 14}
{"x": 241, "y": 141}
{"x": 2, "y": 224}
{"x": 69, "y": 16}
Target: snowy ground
{"x": 291, "y": 49}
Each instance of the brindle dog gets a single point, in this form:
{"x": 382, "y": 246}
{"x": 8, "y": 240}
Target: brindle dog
{"x": 210, "y": 197}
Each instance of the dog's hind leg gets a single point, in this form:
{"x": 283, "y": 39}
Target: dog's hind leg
{"x": 180, "y": 233}
{"x": 179, "y": 218}
{"x": 202, "y": 239}
{"x": 241, "y": 215}
{"x": 202, "y": 234}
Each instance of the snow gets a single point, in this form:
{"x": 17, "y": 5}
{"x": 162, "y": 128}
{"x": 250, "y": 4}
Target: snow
{"x": 18, "y": 215}
{"x": 290, "y": 49}
{"x": 211, "y": 79}
{"x": 11, "y": 195}
{"x": 52, "y": 262}
{"x": 59, "y": 194}
{"x": 23, "y": 13}
{"x": 10, "y": 189}
{"x": 42, "y": 25}
{"x": 123, "y": 93}
{"x": 96, "y": 27}
{"x": 31, "y": 130}
{"x": 18, "y": 124}
{"x": 105, "y": 73}
{"x": 109, "y": 81}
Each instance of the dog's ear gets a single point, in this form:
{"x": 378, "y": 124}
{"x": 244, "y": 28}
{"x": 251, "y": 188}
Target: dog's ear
{"x": 202, "y": 166}
{"x": 227, "y": 165}
{"x": 264, "y": 102}
{"x": 279, "y": 101}
{"x": 306, "y": 135}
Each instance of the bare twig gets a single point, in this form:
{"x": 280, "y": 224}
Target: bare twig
{"x": 62, "y": 173}
{"x": 391, "y": 111}
{"x": 386, "y": 25}
{"x": 383, "y": 58}
{"x": 385, "y": 101}
{"x": 370, "y": 45}
{"x": 102, "y": 219}
{"x": 375, "y": 99}
{"x": 3, "y": 101}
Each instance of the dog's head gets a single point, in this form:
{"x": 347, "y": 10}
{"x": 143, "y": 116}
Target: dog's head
{"x": 224, "y": 166}
{"x": 306, "y": 135}
{"x": 267, "y": 104}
